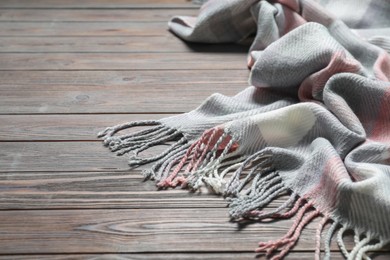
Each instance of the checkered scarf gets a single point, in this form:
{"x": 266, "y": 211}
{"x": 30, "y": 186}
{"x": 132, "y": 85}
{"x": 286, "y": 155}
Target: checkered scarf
{"x": 313, "y": 125}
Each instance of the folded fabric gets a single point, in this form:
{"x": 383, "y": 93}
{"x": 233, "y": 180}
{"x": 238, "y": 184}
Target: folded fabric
{"x": 313, "y": 125}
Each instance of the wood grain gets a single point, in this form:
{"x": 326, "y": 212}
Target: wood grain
{"x": 122, "y": 61}
{"x": 165, "y": 43}
{"x": 98, "y": 190}
{"x": 83, "y": 29}
{"x": 60, "y": 156}
{"x": 106, "y": 4}
{"x": 62, "y": 127}
{"x": 297, "y": 255}
{"x": 113, "y": 91}
{"x": 92, "y": 15}
{"x": 50, "y": 80}
{"x": 138, "y": 230}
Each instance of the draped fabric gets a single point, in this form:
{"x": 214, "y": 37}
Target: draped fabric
{"x": 313, "y": 126}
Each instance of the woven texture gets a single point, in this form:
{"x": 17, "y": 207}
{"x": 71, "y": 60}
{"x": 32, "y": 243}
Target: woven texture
{"x": 313, "y": 124}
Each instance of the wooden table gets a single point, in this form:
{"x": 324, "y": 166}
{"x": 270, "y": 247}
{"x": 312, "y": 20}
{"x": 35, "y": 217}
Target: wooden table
{"x": 69, "y": 68}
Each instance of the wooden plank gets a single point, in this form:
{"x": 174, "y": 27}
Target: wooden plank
{"x": 113, "y": 91}
{"x": 64, "y": 156}
{"x": 49, "y": 4}
{"x": 60, "y": 156}
{"x": 83, "y": 29}
{"x": 62, "y": 127}
{"x": 166, "y": 43}
{"x": 94, "y": 190}
{"x": 106, "y": 80}
{"x": 97, "y": 190}
{"x": 92, "y": 15}
{"x": 122, "y": 61}
{"x": 295, "y": 255}
{"x": 139, "y": 230}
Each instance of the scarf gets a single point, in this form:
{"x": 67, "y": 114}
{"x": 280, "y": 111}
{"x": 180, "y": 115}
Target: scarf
{"x": 313, "y": 125}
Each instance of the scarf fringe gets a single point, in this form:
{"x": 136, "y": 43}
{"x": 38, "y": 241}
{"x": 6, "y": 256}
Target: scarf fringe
{"x": 263, "y": 161}
{"x": 162, "y": 167}
{"x": 304, "y": 216}
{"x": 364, "y": 242}
{"x": 139, "y": 141}
{"x": 256, "y": 183}
{"x": 253, "y": 185}
{"x": 202, "y": 162}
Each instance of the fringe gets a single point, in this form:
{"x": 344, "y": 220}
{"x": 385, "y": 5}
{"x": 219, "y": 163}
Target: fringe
{"x": 259, "y": 215}
{"x": 162, "y": 167}
{"x": 328, "y": 239}
{"x": 285, "y": 243}
{"x": 216, "y": 181}
{"x": 202, "y": 163}
{"x": 253, "y": 185}
{"x": 207, "y": 160}
{"x": 317, "y": 253}
{"x": 268, "y": 188}
{"x": 363, "y": 244}
{"x": 235, "y": 185}
{"x": 248, "y": 207}
{"x": 340, "y": 241}
{"x": 137, "y": 142}
{"x": 361, "y": 254}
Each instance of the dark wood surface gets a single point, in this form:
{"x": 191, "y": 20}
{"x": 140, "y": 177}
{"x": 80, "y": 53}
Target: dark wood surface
{"x": 97, "y": 4}
{"x": 112, "y": 91}
{"x": 70, "y": 68}
{"x": 121, "y": 61}
{"x": 91, "y": 15}
{"x": 296, "y": 255}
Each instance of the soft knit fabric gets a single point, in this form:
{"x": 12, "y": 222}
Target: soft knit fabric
{"x": 314, "y": 124}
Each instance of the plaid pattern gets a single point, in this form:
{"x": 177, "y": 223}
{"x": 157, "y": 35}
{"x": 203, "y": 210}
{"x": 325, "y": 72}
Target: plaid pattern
{"x": 313, "y": 125}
